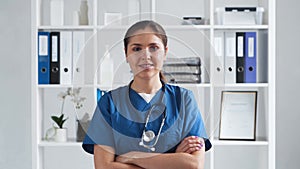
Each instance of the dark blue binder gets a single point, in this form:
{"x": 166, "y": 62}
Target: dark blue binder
{"x": 43, "y": 58}
{"x": 250, "y": 57}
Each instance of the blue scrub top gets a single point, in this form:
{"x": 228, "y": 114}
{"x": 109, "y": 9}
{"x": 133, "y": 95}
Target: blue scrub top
{"x": 120, "y": 117}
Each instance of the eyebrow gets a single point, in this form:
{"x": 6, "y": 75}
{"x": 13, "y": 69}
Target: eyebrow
{"x": 137, "y": 44}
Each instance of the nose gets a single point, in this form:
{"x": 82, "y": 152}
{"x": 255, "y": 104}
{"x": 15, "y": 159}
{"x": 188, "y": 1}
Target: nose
{"x": 146, "y": 54}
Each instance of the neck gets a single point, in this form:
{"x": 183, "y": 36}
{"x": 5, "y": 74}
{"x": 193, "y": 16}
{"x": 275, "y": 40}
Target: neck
{"x": 148, "y": 86}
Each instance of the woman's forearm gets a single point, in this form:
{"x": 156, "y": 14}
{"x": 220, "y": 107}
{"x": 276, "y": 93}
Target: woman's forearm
{"x": 104, "y": 158}
{"x": 169, "y": 161}
{"x": 165, "y": 161}
{"x": 117, "y": 165}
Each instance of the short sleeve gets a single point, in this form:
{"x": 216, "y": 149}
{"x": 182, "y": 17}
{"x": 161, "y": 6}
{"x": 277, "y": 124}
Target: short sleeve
{"x": 194, "y": 119}
{"x": 100, "y": 130}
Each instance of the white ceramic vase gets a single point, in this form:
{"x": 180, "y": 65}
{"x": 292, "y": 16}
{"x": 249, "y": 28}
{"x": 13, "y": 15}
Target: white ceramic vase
{"x": 61, "y": 134}
{"x": 83, "y": 18}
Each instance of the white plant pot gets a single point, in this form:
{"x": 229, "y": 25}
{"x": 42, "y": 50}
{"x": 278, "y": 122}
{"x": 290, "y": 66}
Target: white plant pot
{"x": 61, "y": 134}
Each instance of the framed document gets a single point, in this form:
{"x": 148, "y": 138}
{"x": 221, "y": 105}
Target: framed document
{"x": 238, "y": 115}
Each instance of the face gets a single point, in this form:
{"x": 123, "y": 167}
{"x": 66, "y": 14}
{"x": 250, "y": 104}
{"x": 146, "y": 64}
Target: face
{"x": 145, "y": 54}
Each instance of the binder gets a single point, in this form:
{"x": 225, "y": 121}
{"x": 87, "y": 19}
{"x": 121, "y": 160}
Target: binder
{"x": 66, "y": 57}
{"x": 78, "y": 57}
{"x": 43, "y": 58}
{"x": 230, "y": 58}
{"x": 219, "y": 58}
{"x": 240, "y": 56}
{"x": 250, "y": 57}
{"x": 54, "y": 58}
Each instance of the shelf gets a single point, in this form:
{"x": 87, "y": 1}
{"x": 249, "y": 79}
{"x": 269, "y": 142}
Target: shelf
{"x": 109, "y": 87}
{"x": 245, "y": 85}
{"x": 69, "y": 143}
{"x": 241, "y": 143}
{"x": 106, "y": 87}
{"x": 241, "y": 85}
{"x": 192, "y": 84}
{"x": 187, "y": 27}
{"x": 73, "y": 143}
{"x": 70, "y": 27}
{"x": 169, "y": 27}
{"x": 53, "y": 86}
{"x": 241, "y": 26}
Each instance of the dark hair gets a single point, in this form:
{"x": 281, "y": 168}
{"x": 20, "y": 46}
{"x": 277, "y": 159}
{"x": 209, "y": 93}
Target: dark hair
{"x": 157, "y": 29}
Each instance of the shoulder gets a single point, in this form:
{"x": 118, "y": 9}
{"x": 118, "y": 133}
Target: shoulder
{"x": 178, "y": 91}
{"x": 109, "y": 96}
{"x": 116, "y": 91}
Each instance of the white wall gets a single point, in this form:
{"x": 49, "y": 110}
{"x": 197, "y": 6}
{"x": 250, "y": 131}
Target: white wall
{"x": 15, "y": 146}
{"x": 288, "y": 80}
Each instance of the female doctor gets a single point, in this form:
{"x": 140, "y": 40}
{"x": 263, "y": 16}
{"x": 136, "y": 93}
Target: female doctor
{"x": 148, "y": 123}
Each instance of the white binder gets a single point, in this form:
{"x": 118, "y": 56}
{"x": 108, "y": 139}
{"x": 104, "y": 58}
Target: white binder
{"x": 230, "y": 57}
{"x": 66, "y": 57}
{"x": 219, "y": 57}
{"x": 78, "y": 57}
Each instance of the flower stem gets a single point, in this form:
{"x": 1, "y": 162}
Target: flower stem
{"x": 62, "y": 106}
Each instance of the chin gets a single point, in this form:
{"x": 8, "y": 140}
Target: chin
{"x": 147, "y": 74}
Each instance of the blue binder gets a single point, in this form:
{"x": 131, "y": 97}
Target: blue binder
{"x": 250, "y": 57}
{"x": 43, "y": 58}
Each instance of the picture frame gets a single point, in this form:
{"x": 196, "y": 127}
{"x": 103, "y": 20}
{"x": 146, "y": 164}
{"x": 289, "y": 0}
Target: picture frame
{"x": 238, "y": 115}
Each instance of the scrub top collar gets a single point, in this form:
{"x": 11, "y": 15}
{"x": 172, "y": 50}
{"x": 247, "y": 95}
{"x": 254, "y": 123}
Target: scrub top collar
{"x": 141, "y": 105}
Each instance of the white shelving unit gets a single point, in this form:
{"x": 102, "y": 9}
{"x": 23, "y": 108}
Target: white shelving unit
{"x": 184, "y": 39}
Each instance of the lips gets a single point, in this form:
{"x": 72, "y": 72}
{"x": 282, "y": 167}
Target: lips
{"x": 146, "y": 66}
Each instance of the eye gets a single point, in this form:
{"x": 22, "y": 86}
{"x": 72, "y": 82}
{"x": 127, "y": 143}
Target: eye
{"x": 153, "y": 48}
{"x": 136, "y": 49}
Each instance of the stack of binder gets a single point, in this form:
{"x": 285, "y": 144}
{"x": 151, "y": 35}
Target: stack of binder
{"x": 58, "y": 57}
{"x": 238, "y": 54}
{"x": 183, "y": 70}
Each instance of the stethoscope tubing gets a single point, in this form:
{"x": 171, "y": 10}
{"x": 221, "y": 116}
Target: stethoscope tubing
{"x": 152, "y": 146}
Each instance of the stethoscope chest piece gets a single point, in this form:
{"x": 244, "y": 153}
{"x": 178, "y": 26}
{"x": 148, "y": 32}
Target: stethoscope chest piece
{"x": 148, "y": 136}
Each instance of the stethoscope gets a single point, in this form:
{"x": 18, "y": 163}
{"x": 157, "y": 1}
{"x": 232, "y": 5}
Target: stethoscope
{"x": 149, "y": 135}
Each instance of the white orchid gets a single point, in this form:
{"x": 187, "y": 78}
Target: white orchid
{"x": 75, "y": 98}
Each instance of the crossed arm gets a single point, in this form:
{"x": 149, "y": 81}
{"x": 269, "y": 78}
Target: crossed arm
{"x": 189, "y": 154}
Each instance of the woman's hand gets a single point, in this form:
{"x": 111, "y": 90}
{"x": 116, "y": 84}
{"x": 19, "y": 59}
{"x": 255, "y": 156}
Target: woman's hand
{"x": 190, "y": 144}
{"x": 126, "y": 158}
{"x": 130, "y": 156}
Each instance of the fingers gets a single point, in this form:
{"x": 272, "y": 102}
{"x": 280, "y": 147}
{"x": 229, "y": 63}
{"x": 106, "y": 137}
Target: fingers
{"x": 190, "y": 144}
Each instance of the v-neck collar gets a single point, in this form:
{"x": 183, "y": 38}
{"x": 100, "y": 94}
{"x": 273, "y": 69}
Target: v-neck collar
{"x": 138, "y": 101}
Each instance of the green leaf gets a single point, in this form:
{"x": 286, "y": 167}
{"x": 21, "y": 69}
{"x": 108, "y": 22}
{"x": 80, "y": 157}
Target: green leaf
{"x": 59, "y": 120}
